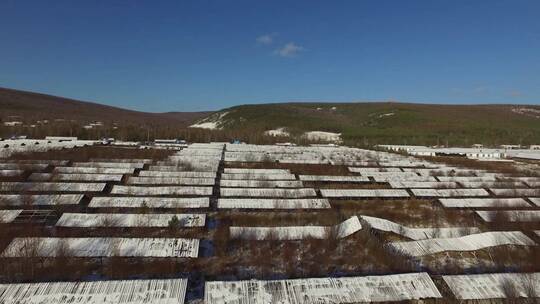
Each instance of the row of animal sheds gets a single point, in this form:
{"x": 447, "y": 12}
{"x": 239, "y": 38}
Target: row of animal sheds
{"x": 388, "y": 288}
{"x": 92, "y": 177}
{"x": 316, "y": 155}
{"x": 9, "y": 147}
{"x": 51, "y": 200}
{"x": 398, "y": 287}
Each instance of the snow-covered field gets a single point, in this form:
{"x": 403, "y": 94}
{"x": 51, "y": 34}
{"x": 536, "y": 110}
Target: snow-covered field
{"x": 278, "y": 132}
{"x": 323, "y": 136}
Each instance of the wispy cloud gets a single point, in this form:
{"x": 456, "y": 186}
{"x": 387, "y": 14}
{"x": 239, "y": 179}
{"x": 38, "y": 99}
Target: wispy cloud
{"x": 290, "y": 49}
{"x": 266, "y": 39}
{"x": 481, "y": 89}
{"x": 515, "y": 93}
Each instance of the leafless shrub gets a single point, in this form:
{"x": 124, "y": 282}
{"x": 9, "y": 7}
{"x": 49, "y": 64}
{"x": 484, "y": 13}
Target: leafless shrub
{"x": 266, "y": 158}
{"x": 27, "y": 201}
{"x": 185, "y": 165}
{"x": 331, "y": 238}
{"x": 109, "y": 220}
{"x": 529, "y": 284}
{"x": 114, "y": 261}
{"x": 509, "y": 289}
{"x": 30, "y": 251}
{"x": 272, "y": 235}
{"x": 221, "y": 238}
{"x": 265, "y": 184}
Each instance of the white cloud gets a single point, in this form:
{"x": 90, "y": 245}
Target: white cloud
{"x": 266, "y": 39}
{"x": 290, "y": 49}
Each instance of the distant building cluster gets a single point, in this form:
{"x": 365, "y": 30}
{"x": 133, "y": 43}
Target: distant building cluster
{"x": 477, "y": 151}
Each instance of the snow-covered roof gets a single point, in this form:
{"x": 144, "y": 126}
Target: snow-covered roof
{"x": 482, "y": 202}
{"x": 262, "y": 203}
{"x": 91, "y": 170}
{"x": 184, "y": 174}
{"x": 418, "y": 233}
{"x": 449, "y": 192}
{"x": 157, "y": 180}
{"x": 261, "y": 183}
{"x": 516, "y": 192}
{"x": 334, "y": 178}
{"x": 416, "y": 184}
{"x": 161, "y": 190}
{"x": 104, "y": 247}
{"x": 268, "y": 192}
{"x": 81, "y": 177}
{"x": 465, "y": 243}
{"x": 396, "y": 287}
{"x": 342, "y": 230}
{"x": 51, "y": 187}
{"x": 167, "y": 291}
{"x": 109, "y": 165}
{"x": 8, "y": 216}
{"x": 258, "y": 176}
{"x": 510, "y": 215}
{"x": 149, "y": 202}
{"x": 367, "y": 193}
{"x": 128, "y": 220}
{"x": 40, "y": 199}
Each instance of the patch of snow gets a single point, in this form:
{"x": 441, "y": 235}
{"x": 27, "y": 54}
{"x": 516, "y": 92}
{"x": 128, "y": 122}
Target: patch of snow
{"x": 214, "y": 122}
{"x": 205, "y": 125}
{"x": 323, "y": 136}
{"x": 387, "y": 114}
{"x": 527, "y": 111}
{"x": 277, "y": 132}
{"x": 333, "y": 108}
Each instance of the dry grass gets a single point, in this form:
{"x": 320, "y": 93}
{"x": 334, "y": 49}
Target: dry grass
{"x": 411, "y": 212}
{"x": 86, "y": 153}
{"x": 294, "y": 218}
{"x": 304, "y": 169}
{"x": 493, "y": 259}
{"x": 358, "y": 254}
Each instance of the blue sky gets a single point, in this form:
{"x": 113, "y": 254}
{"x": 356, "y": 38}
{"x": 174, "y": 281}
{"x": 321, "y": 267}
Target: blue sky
{"x": 205, "y": 55}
